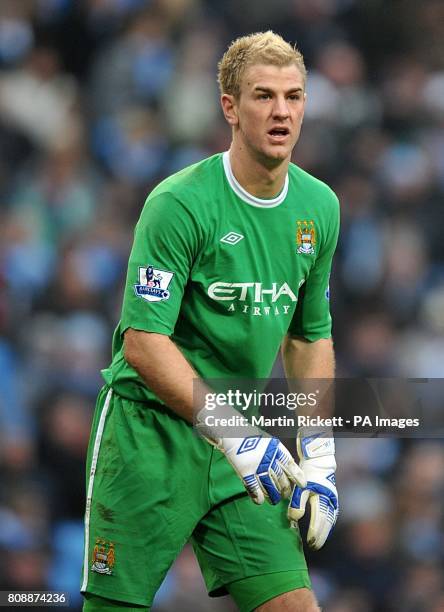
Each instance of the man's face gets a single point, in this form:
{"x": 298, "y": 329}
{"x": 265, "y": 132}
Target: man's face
{"x": 269, "y": 111}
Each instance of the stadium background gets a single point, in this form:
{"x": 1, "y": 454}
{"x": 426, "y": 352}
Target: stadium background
{"x": 99, "y": 100}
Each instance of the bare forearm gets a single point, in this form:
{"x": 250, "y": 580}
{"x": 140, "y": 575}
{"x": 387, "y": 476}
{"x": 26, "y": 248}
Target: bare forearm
{"x": 305, "y": 361}
{"x": 164, "y": 369}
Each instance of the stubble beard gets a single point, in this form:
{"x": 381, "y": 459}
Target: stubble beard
{"x": 269, "y": 157}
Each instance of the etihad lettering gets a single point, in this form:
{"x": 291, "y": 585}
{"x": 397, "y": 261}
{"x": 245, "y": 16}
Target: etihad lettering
{"x": 254, "y": 292}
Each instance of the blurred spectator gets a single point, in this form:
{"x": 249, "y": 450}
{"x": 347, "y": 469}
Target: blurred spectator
{"x": 38, "y": 98}
{"x": 16, "y": 34}
{"x": 132, "y": 145}
{"x": 193, "y": 90}
{"x": 64, "y": 434}
{"x": 136, "y": 67}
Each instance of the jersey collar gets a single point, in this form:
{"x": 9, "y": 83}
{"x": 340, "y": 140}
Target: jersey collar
{"x": 247, "y": 197}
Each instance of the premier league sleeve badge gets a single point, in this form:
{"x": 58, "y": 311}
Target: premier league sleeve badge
{"x": 153, "y": 284}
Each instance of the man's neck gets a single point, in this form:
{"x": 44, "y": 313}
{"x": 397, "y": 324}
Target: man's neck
{"x": 257, "y": 178}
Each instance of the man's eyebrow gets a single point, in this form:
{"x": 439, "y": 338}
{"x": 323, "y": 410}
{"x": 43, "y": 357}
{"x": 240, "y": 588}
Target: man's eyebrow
{"x": 270, "y": 90}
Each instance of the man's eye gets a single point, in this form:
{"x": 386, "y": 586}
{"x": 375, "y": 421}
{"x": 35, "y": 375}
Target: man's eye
{"x": 264, "y": 96}
{"x": 294, "y": 97}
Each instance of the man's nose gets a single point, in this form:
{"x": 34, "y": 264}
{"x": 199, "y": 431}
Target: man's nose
{"x": 280, "y": 108}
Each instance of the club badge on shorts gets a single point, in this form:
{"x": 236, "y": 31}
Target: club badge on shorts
{"x": 103, "y": 557}
{"x": 306, "y": 237}
{"x": 153, "y": 284}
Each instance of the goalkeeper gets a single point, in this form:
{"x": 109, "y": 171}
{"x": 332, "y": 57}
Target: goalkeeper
{"x": 230, "y": 261}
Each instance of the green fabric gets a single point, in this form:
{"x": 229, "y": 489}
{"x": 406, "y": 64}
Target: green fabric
{"x": 250, "y": 593}
{"x": 228, "y": 306}
{"x": 238, "y": 539}
{"x": 94, "y": 603}
{"x": 158, "y": 485}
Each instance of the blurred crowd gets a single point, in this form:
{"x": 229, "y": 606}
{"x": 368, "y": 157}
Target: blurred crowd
{"x": 100, "y": 100}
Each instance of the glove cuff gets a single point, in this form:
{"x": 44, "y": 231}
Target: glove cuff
{"x": 315, "y": 442}
{"x": 214, "y": 425}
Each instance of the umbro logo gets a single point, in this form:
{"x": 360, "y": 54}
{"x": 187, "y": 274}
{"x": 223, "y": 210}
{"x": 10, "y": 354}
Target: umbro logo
{"x": 232, "y": 238}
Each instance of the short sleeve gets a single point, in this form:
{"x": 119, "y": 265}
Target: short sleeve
{"x": 312, "y": 319}
{"x": 166, "y": 243}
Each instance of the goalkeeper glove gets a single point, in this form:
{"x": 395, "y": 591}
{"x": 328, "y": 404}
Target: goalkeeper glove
{"x": 265, "y": 466}
{"x": 316, "y": 450}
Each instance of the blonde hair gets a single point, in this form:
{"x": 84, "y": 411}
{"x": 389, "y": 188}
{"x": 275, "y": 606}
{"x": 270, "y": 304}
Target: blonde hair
{"x": 259, "y": 48}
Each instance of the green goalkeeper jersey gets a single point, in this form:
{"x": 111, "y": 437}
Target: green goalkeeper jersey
{"x": 225, "y": 274}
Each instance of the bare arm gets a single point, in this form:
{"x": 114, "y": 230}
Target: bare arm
{"x": 311, "y": 360}
{"x": 163, "y": 368}
{"x": 315, "y": 444}
{"x": 303, "y": 359}
{"x": 159, "y": 362}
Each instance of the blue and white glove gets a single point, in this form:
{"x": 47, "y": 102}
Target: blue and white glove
{"x": 265, "y": 466}
{"x": 316, "y": 451}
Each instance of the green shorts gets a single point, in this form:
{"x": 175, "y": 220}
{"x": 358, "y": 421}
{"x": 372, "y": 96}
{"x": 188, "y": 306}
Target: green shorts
{"x": 152, "y": 485}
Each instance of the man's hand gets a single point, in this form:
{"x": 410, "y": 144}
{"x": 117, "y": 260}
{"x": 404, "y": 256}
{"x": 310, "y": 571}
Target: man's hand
{"x": 264, "y": 464}
{"x": 316, "y": 450}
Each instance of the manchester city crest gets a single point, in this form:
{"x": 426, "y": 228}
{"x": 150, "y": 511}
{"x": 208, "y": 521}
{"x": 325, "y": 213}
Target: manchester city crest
{"x": 153, "y": 284}
{"x": 103, "y": 557}
{"x": 306, "y": 237}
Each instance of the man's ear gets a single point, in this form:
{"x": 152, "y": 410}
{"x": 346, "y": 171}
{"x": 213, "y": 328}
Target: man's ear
{"x": 229, "y": 108}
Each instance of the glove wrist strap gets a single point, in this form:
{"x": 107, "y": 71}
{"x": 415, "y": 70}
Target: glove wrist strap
{"x": 315, "y": 442}
{"x": 223, "y": 421}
